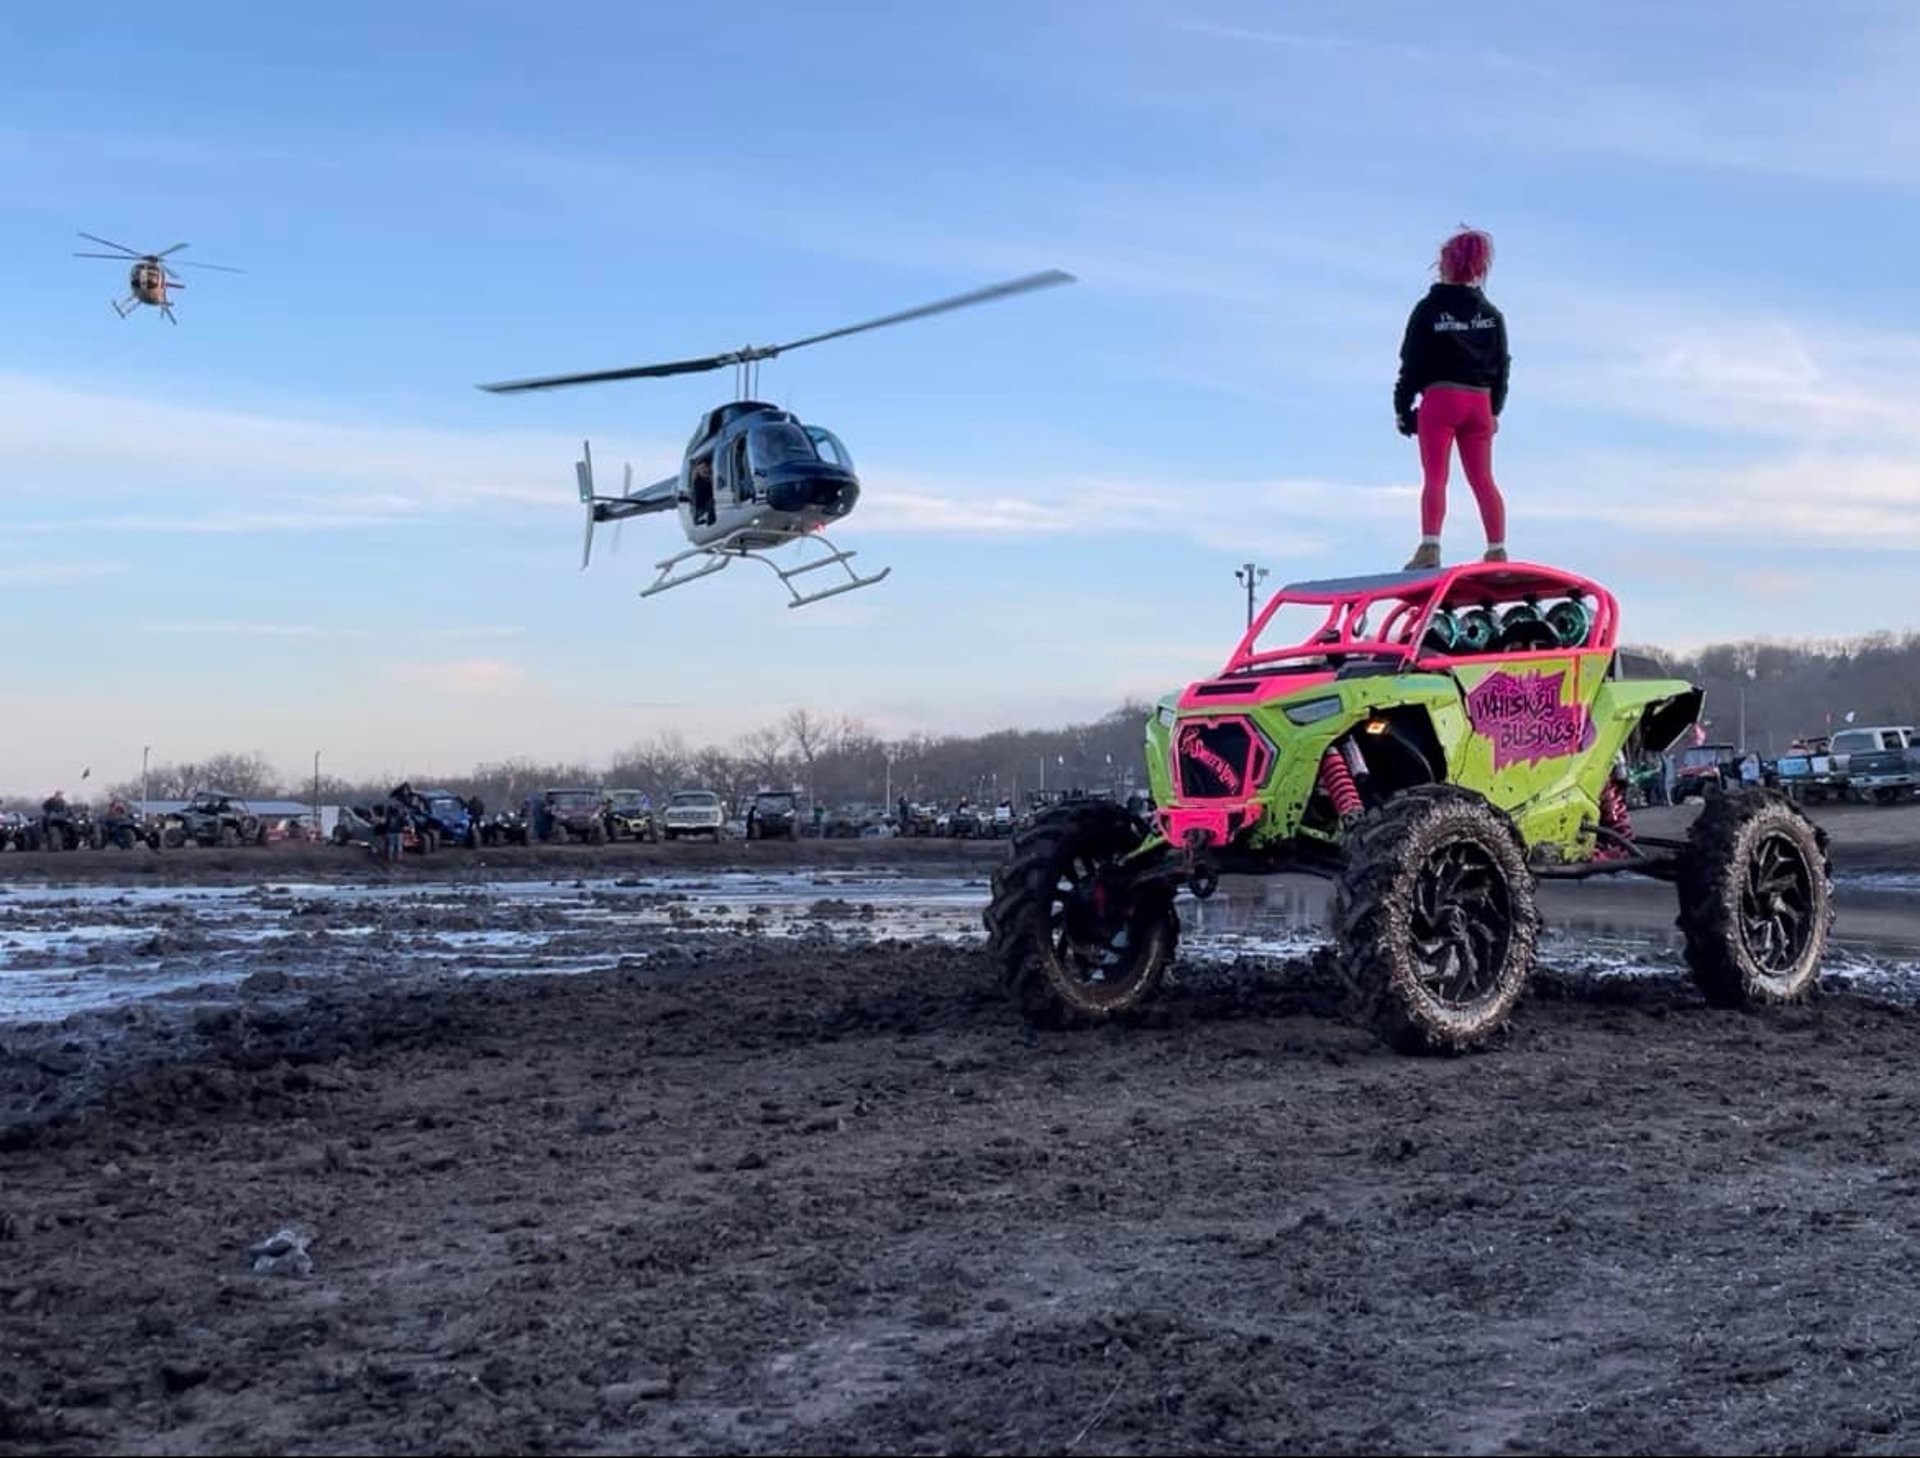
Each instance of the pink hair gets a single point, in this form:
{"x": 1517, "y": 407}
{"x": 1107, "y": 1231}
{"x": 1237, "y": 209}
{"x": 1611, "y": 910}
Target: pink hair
{"x": 1466, "y": 257}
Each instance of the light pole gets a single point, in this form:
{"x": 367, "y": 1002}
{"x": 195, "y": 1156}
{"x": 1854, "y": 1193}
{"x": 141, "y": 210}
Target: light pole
{"x": 145, "y": 750}
{"x": 1251, "y": 576}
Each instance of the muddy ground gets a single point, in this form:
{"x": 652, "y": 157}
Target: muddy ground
{"x": 778, "y": 1194}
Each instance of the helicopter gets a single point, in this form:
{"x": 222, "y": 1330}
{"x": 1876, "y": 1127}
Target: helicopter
{"x": 149, "y": 278}
{"x": 754, "y": 477}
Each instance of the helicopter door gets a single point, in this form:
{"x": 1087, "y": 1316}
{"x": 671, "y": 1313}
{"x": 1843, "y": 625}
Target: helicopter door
{"x": 742, "y": 471}
{"x": 701, "y": 475}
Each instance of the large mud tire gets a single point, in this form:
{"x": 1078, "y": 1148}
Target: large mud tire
{"x": 1061, "y": 964}
{"x": 1756, "y": 899}
{"x": 1435, "y": 920}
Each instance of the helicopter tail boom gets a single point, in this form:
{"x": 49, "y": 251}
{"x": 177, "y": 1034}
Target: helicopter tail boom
{"x": 661, "y": 496}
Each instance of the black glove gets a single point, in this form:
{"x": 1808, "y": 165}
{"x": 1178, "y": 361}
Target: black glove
{"x": 1409, "y": 421}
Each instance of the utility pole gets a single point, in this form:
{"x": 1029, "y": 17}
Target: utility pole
{"x": 1252, "y": 576}
{"x": 316, "y": 793}
{"x": 145, "y": 750}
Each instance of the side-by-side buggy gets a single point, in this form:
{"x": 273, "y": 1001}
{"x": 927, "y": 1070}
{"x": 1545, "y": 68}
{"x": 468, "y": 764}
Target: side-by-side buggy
{"x": 1434, "y": 743}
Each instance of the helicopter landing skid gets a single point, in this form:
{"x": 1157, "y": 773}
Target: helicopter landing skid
{"x": 720, "y": 554}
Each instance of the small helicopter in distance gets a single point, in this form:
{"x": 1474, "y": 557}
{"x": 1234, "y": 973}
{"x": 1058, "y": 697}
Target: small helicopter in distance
{"x": 149, "y": 278}
{"x": 754, "y": 477}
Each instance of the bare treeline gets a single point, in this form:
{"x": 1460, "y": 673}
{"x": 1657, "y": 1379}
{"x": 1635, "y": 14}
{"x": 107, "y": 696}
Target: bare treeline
{"x": 1790, "y": 690}
{"x": 831, "y": 758}
{"x": 1783, "y": 690}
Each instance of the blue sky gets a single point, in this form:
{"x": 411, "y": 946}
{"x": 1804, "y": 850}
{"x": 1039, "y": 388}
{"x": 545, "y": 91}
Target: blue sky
{"x": 292, "y": 524}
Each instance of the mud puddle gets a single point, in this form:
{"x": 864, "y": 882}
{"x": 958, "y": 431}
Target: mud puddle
{"x": 69, "y": 949}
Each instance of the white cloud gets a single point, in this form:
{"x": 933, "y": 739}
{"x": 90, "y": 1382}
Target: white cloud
{"x": 217, "y": 524}
{"x": 233, "y": 469}
{"x": 90, "y": 450}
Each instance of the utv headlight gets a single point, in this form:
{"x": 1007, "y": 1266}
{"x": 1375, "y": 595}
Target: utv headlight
{"x": 1314, "y": 710}
{"x": 1167, "y": 715}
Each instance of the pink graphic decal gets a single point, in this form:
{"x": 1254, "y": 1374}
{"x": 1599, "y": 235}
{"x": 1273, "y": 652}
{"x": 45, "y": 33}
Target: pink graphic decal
{"x": 1523, "y": 716}
{"x": 1195, "y": 748}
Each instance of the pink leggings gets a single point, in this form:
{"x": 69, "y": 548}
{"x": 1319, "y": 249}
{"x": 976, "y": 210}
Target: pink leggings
{"x": 1448, "y": 414}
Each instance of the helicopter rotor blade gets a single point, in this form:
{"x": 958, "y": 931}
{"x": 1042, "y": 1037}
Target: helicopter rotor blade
{"x": 1046, "y": 279}
{"x": 108, "y": 242}
{"x": 755, "y": 353}
{"x": 220, "y": 267}
{"x": 165, "y": 251}
{"x": 116, "y": 257}
{"x": 636, "y": 372}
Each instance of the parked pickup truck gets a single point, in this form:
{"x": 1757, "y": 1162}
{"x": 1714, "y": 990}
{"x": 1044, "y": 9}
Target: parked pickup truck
{"x": 1877, "y": 763}
{"x": 1806, "y": 777}
{"x": 693, "y": 812}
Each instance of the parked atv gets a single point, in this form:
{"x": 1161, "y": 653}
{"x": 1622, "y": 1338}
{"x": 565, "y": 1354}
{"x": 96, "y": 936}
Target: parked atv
{"x": 629, "y": 816}
{"x": 1435, "y": 743}
{"x": 73, "y": 828}
{"x": 504, "y": 827}
{"x": 123, "y": 828}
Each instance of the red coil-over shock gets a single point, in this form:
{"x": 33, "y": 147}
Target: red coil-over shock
{"x": 1614, "y": 817}
{"x": 1337, "y": 780}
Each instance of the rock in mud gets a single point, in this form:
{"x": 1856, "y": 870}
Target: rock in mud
{"x": 284, "y": 1253}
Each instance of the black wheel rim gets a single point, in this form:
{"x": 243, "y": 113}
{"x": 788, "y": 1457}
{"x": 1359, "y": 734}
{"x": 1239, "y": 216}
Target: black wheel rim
{"x": 1776, "y": 903}
{"x": 1460, "y": 924}
{"x": 1099, "y": 943}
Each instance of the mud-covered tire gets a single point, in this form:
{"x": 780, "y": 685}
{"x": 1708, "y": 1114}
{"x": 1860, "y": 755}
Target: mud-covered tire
{"x": 1435, "y": 920}
{"x": 597, "y": 835}
{"x": 1058, "y": 969}
{"x": 229, "y": 837}
{"x": 1755, "y": 886}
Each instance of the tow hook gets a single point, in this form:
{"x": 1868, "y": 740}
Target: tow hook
{"x": 1203, "y": 881}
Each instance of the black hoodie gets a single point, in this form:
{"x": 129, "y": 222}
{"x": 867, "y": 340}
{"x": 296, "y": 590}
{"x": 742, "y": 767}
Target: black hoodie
{"x": 1454, "y": 336}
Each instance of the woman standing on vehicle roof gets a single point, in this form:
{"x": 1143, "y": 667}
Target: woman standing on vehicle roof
{"x": 1454, "y": 357}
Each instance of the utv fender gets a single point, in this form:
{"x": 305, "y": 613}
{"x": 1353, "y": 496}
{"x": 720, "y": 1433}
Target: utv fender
{"x": 1405, "y": 753}
{"x": 1663, "y": 721}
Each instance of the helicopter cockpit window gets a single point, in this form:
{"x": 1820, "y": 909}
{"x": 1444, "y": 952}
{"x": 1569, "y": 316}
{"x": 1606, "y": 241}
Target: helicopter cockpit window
{"x": 829, "y": 447}
{"x": 779, "y": 444}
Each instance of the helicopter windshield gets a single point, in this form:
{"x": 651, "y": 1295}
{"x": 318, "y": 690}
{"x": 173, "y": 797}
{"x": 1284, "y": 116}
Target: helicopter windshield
{"x": 828, "y": 444}
{"x": 778, "y": 443}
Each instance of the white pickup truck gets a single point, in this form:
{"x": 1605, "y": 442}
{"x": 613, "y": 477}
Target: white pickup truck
{"x": 693, "y": 812}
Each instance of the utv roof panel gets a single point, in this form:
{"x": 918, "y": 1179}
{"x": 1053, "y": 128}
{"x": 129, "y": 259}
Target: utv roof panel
{"x": 1517, "y": 578}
